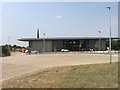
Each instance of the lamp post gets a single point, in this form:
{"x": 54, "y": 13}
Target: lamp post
{"x": 110, "y": 35}
{"x": 99, "y": 40}
{"x": 44, "y": 42}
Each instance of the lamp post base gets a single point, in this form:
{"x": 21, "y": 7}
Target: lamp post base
{"x": 110, "y": 62}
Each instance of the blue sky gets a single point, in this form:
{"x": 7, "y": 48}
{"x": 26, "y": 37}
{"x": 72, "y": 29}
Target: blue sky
{"x": 64, "y": 19}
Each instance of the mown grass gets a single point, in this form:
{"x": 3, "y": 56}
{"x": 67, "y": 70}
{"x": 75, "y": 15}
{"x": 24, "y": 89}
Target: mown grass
{"x": 82, "y": 76}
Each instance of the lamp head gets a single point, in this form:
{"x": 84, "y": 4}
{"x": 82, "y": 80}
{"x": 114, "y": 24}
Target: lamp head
{"x": 108, "y": 8}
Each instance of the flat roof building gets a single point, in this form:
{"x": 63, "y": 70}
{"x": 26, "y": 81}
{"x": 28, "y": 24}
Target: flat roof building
{"x": 54, "y": 44}
{"x": 70, "y": 43}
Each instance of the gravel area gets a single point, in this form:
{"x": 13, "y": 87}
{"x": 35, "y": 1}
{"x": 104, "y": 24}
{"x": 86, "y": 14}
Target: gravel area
{"x": 20, "y": 63}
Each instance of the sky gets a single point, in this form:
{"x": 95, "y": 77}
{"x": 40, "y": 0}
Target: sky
{"x": 56, "y": 19}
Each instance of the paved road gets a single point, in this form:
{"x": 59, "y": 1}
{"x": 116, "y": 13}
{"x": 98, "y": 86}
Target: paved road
{"x": 19, "y": 63}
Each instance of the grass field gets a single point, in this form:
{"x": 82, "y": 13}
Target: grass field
{"x": 80, "y": 76}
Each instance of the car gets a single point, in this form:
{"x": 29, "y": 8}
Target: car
{"x": 64, "y": 50}
{"x": 26, "y": 51}
{"x": 34, "y": 51}
{"x": 31, "y": 52}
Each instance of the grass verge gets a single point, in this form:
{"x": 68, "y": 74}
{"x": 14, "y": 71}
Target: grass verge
{"x": 80, "y": 76}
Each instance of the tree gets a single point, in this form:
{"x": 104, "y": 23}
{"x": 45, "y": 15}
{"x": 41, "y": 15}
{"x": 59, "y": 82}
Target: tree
{"x": 115, "y": 44}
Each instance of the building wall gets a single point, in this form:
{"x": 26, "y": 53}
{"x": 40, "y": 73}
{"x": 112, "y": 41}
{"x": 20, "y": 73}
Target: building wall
{"x": 48, "y": 46}
{"x": 57, "y": 45}
{"x": 94, "y": 44}
{"x": 39, "y": 45}
{"x": 36, "y": 45}
{"x": 103, "y": 45}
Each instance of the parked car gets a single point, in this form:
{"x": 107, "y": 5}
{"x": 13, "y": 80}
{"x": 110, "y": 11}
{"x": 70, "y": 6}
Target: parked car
{"x": 34, "y": 51}
{"x": 31, "y": 52}
{"x": 26, "y": 51}
{"x": 64, "y": 50}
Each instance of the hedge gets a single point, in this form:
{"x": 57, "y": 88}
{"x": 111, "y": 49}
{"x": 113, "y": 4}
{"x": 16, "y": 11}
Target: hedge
{"x": 4, "y": 51}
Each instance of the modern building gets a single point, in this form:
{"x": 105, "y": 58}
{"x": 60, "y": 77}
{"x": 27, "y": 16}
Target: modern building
{"x": 70, "y": 43}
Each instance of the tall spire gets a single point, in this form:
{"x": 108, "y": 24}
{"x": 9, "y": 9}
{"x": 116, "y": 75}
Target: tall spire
{"x": 38, "y": 33}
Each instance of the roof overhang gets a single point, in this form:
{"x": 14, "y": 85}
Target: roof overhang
{"x": 63, "y": 38}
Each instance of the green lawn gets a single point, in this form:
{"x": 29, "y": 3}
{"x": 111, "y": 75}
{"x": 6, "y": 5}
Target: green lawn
{"x": 82, "y": 76}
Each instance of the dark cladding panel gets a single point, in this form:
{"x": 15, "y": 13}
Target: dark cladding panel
{"x": 57, "y": 45}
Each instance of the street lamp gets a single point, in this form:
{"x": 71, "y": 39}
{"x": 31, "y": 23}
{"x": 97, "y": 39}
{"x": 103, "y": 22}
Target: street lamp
{"x": 99, "y": 40}
{"x": 44, "y": 42}
{"x": 110, "y": 35}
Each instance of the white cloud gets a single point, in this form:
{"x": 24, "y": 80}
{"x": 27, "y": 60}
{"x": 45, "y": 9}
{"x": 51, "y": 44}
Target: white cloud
{"x": 59, "y": 17}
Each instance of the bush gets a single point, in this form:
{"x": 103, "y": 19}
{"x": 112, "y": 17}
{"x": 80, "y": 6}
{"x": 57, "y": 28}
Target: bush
{"x": 4, "y": 51}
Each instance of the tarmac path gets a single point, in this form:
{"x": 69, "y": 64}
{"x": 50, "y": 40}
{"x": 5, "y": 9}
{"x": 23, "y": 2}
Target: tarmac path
{"x": 20, "y": 63}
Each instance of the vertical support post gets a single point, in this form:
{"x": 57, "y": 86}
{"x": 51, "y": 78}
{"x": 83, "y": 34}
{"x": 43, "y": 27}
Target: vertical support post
{"x": 100, "y": 41}
{"x": 44, "y": 42}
